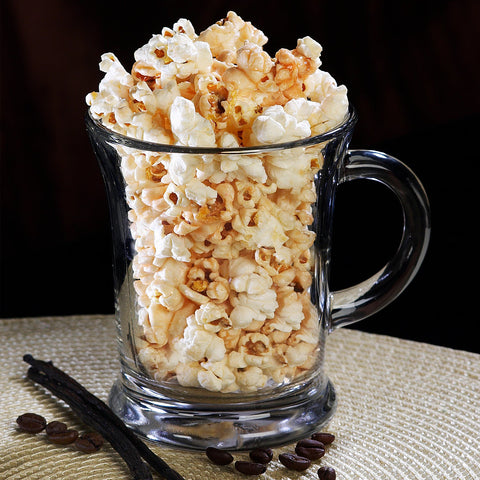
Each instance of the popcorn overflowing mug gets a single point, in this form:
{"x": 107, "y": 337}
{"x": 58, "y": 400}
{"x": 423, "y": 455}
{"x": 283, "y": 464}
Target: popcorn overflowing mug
{"x": 221, "y": 165}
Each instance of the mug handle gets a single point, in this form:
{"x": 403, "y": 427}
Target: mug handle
{"x": 364, "y": 299}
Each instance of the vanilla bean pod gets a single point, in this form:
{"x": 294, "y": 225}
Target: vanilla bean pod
{"x": 120, "y": 443}
{"x": 87, "y": 398}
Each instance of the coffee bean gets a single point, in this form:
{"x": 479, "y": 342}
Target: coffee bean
{"x": 63, "y": 438}
{"x": 294, "y": 462}
{"x": 95, "y": 438}
{"x": 311, "y": 449}
{"x": 55, "y": 427}
{"x": 89, "y": 442}
{"x": 219, "y": 457}
{"x": 261, "y": 455}
{"x": 250, "y": 468}
{"x": 326, "y": 473}
{"x": 324, "y": 437}
{"x": 31, "y": 422}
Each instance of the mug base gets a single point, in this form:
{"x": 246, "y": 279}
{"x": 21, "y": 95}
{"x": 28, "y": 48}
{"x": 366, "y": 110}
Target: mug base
{"x": 243, "y": 426}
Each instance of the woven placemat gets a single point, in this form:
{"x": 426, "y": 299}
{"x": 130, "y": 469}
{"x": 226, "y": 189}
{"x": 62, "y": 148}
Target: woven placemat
{"x": 406, "y": 410}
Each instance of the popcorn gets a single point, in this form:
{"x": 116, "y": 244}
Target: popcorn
{"x": 188, "y": 126}
{"x": 181, "y": 168}
{"x": 275, "y": 125}
{"x": 217, "y": 377}
{"x": 173, "y": 54}
{"x": 212, "y": 317}
{"x": 322, "y": 88}
{"x": 230, "y": 34}
{"x": 251, "y": 379}
{"x": 290, "y": 311}
{"x": 156, "y": 360}
{"x": 159, "y": 318}
{"x": 222, "y": 265}
{"x": 309, "y": 48}
{"x": 193, "y": 295}
{"x": 165, "y": 96}
{"x": 299, "y": 354}
{"x": 171, "y": 245}
{"x": 251, "y": 284}
{"x": 249, "y": 307}
{"x": 187, "y": 374}
{"x": 116, "y": 81}
{"x": 290, "y": 171}
{"x": 199, "y": 343}
{"x": 172, "y": 271}
{"x": 165, "y": 294}
{"x": 252, "y": 60}
{"x": 257, "y": 227}
{"x": 198, "y": 192}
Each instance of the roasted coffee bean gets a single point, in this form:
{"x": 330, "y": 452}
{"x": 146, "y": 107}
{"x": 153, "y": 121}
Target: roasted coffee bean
{"x": 219, "y": 457}
{"x": 326, "y": 473}
{"x": 261, "y": 455}
{"x": 55, "y": 427}
{"x": 31, "y": 422}
{"x": 250, "y": 468}
{"x": 89, "y": 442}
{"x": 311, "y": 449}
{"x": 324, "y": 437}
{"x": 63, "y": 438}
{"x": 95, "y": 438}
{"x": 294, "y": 462}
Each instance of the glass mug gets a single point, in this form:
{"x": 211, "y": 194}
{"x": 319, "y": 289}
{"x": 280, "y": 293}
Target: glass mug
{"x": 221, "y": 266}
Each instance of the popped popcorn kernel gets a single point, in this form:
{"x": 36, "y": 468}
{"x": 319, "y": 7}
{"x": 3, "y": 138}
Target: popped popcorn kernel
{"x": 231, "y": 33}
{"x": 222, "y": 265}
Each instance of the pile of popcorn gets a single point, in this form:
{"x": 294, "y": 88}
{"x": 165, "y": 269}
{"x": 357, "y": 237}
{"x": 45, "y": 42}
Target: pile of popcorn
{"x": 223, "y": 265}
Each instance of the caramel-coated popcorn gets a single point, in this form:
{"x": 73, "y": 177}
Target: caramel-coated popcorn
{"x": 222, "y": 265}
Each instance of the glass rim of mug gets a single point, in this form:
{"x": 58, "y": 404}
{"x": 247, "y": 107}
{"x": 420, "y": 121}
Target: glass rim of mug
{"x": 118, "y": 138}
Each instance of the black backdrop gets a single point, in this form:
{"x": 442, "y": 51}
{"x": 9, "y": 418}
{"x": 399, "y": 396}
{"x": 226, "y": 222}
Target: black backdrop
{"x": 412, "y": 70}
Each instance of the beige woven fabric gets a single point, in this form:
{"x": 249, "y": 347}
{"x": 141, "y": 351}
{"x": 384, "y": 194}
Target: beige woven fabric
{"x": 406, "y": 410}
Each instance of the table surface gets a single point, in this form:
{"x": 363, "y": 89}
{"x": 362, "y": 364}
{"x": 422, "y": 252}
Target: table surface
{"x": 406, "y": 410}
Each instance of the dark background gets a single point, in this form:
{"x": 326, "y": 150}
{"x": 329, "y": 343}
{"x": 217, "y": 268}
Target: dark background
{"x": 412, "y": 70}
